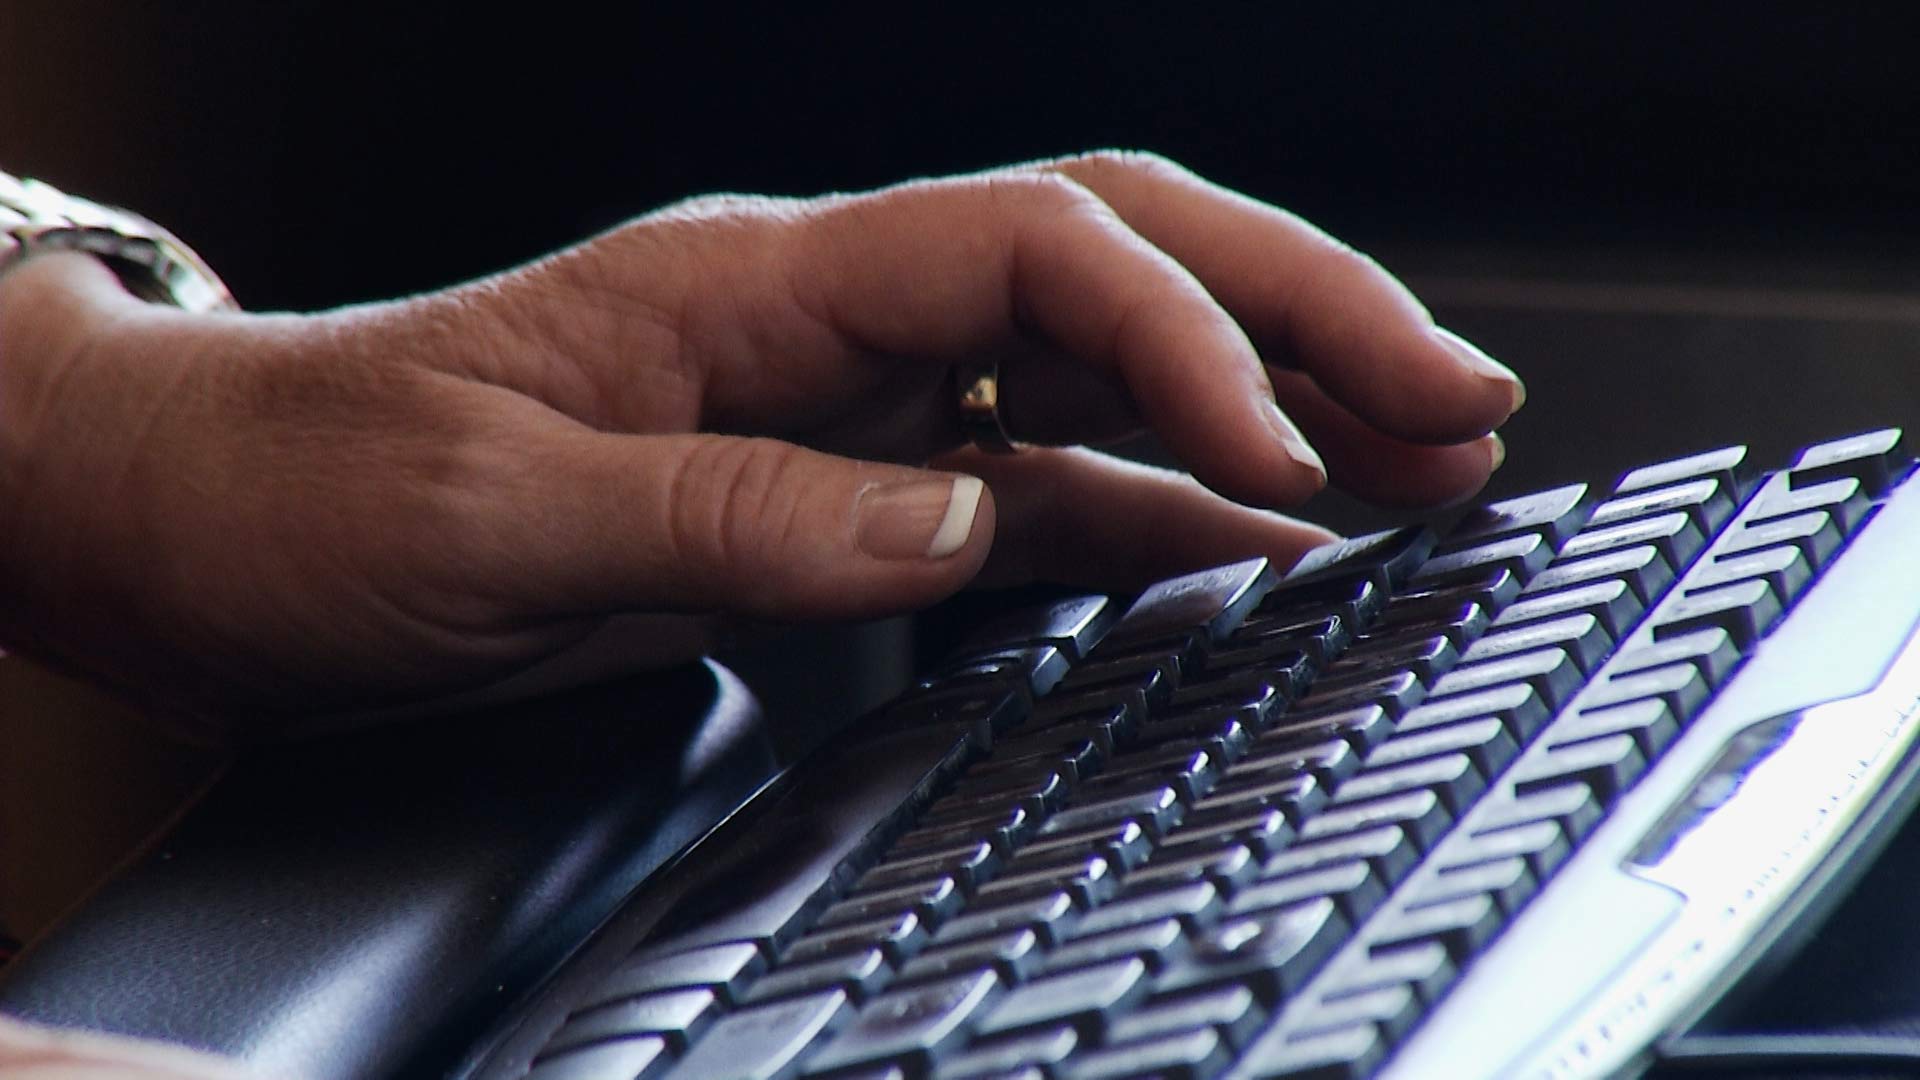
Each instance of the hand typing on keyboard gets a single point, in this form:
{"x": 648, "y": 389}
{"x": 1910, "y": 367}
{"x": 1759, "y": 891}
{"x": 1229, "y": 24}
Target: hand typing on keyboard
{"x": 734, "y": 405}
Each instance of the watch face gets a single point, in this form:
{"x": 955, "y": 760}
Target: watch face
{"x": 152, "y": 263}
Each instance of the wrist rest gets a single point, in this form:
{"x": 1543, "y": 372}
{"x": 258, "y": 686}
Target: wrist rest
{"x": 369, "y": 904}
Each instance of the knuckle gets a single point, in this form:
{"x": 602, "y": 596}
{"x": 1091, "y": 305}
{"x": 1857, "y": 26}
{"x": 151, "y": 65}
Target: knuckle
{"x": 733, "y": 503}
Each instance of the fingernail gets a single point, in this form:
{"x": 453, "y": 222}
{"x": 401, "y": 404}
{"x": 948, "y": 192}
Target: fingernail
{"x": 1483, "y": 365}
{"x": 1496, "y": 451}
{"x": 919, "y": 519}
{"x": 1294, "y": 443}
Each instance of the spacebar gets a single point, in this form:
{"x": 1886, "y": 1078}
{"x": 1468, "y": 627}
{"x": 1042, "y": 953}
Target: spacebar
{"x": 848, "y": 798}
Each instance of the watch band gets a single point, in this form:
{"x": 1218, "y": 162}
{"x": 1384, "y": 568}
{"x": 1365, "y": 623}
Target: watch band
{"x": 151, "y": 261}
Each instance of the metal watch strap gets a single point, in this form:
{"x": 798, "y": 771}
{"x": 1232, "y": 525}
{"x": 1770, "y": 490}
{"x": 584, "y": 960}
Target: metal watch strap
{"x": 151, "y": 261}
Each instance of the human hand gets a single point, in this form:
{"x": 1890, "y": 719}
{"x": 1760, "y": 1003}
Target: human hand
{"x": 721, "y": 407}
{"x": 32, "y": 1052}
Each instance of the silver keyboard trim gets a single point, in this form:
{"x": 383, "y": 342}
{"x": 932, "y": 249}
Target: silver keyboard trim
{"x": 1617, "y": 949}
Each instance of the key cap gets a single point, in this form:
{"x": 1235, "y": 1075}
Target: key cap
{"x": 1745, "y": 610}
{"x": 897, "y": 935}
{"x": 1329, "y": 760}
{"x": 1394, "y": 1009}
{"x": 1014, "y": 954}
{"x": 1089, "y": 880}
{"x": 1728, "y": 465}
{"x": 1611, "y": 602}
{"x": 1226, "y": 867}
{"x": 1356, "y": 601}
{"x": 1386, "y": 558}
{"x": 1351, "y": 1053}
{"x": 1650, "y": 722}
{"x": 674, "y": 1015}
{"x": 1085, "y": 998}
{"x": 1247, "y": 700}
{"x": 1077, "y": 756}
{"x": 1463, "y": 926}
{"x": 1492, "y": 590}
{"x": 1295, "y": 796}
{"x": 1198, "y": 1053}
{"x": 1586, "y": 642}
{"x": 1555, "y": 514}
{"x": 1395, "y": 693}
{"x": 1673, "y": 535}
{"x": 626, "y": 1059}
{"x": 1263, "y": 831}
{"x": 1042, "y": 1048}
{"x": 1608, "y": 766}
{"x": 1542, "y": 844}
{"x": 1125, "y": 844}
{"x": 1814, "y": 533}
{"x": 1485, "y": 742}
{"x": 932, "y": 900}
{"x": 1510, "y": 882}
{"x": 1551, "y": 673}
{"x": 1320, "y": 638}
{"x": 1271, "y": 953}
{"x": 1386, "y": 848}
{"x": 1703, "y": 499}
{"x": 858, "y": 973}
{"x": 1783, "y": 568}
{"x": 1450, "y": 776}
{"x": 1426, "y": 969}
{"x": 1230, "y": 1010}
{"x": 1351, "y": 886}
{"x": 1213, "y": 601}
{"x": 1154, "y": 810}
{"x": 1047, "y": 916}
{"x": 1459, "y": 621}
{"x": 967, "y": 863}
{"x": 761, "y": 1043}
{"x": 726, "y": 969}
{"x": 1425, "y": 655}
{"x": 1030, "y": 669}
{"x": 909, "y": 1025}
{"x": 1420, "y": 813}
{"x": 1876, "y": 459}
{"x": 1073, "y": 625}
{"x": 1107, "y": 724}
{"x": 1152, "y": 675}
{"x": 1194, "y": 905}
{"x": 1843, "y": 500}
{"x": 1361, "y": 728}
{"x": 979, "y": 707}
{"x": 1522, "y": 556}
{"x": 1679, "y": 685}
{"x": 1711, "y": 651}
{"x": 1641, "y": 568}
{"x": 1572, "y": 805}
{"x": 1151, "y": 942}
{"x": 1516, "y": 705}
{"x": 1005, "y": 831}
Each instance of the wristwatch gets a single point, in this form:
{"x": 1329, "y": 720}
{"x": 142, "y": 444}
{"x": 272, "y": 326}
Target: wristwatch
{"x": 150, "y": 261}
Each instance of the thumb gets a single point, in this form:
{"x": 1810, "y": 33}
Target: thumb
{"x": 749, "y": 526}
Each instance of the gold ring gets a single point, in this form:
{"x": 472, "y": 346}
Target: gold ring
{"x": 979, "y": 392}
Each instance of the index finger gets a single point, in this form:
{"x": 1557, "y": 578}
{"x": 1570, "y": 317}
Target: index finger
{"x": 1309, "y": 301}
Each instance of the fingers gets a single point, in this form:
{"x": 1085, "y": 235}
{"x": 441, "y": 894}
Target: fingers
{"x": 746, "y": 526}
{"x": 1079, "y": 517}
{"x": 965, "y": 265}
{"x": 1379, "y": 468}
{"x": 33, "y": 1052}
{"x": 1310, "y": 301}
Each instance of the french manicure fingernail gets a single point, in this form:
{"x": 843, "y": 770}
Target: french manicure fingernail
{"x": 1294, "y": 443}
{"x": 1496, "y": 452}
{"x": 1483, "y": 365}
{"x": 918, "y": 519}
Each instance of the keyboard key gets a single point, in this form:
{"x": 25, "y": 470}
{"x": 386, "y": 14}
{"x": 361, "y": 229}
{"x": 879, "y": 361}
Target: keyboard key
{"x": 1611, "y": 602}
{"x": 858, "y": 973}
{"x": 1089, "y": 879}
{"x": 1459, "y": 621}
{"x": 1572, "y": 805}
{"x": 1086, "y": 997}
{"x": 1040, "y": 1049}
{"x": 1814, "y": 533}
{"x": 1728, "y": 465}
{"x": 1555, "y": 514}
{"x": 1263, "y": 831}
{"x": 1463, "y": 926}
{"x": 1426, "y": 656}
{"x": 1153, "y": 810}
{"x": 1330, "y": 760}
{"x": 1047, "y": 916}
{"x": 897, "y": 935}
{"x": 1271, "y": 953}
{"x": 1704, "y": 499}
{"x": 1674, "y": 535}
{"x": 1211, "y": 601}
{"x": 1711, "y": 651}
{"x": 1386, "y": 558}
{"x": 674, "y": 1015}
{"x": 762, "y": 1042}
{"x": 1517, "y": 705}
{"x": 1198, "y": 1053}
{"x": 626, "y": 1059}
{"x": 1420, "y": 813}
{"x": 909, "y": 1025}
{"x": 1842, "y": 499}
{"x": 1351, "y": 1053}
{"x": 968, "y": 863}
{"x": 1876, "y": 459}
{"x": 1194, "y": 905}
{"x": 1014, "y": 954}
{"x": 1650, "y": 722}
{"x": 1030, "y": 669}
{"x": 1585, "y": 641}
{"x": 1426, "y": 969}
{"x": 1151, "y": 942}
{"x": 1320, "y": 637}
{"x": 1641, "y": 568}
{"x": 1492, "y": 590}
{"x": 1522, "y": 556}
{"x": 1509, "y": 882}
{"x": 1608, "y": 766}
{"x": 1745, "y": 610}
{"x": 1395, "y": 693}
{"x": 1450, "y": 776}
{"x": 1352, "y": 886}
{"x": 1542, "y": 844}
{"x": 933, "y": 901}
{"x": 1295, "y": 796}
{"x": 726, "y": 969}
{"x": 1226, "y": 867}
{"x": 1232, "y": 1011}
{"x": 1124, "y": 844}
{"x": 1486, "y": 742}
{"x": 1679, "y": 685}
{"x": 1392, "y": 1008}
{"x": 1387, "y": 849}
{"x": 1355, "y": 600}
{"x": 1783, "y": 568}
{"x": 1551, "y": 673}
{"x": 1073, "y": 625}
{"x": 1361, "y": 727}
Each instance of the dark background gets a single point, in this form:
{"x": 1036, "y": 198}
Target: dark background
{"x": 1683, "y": 224}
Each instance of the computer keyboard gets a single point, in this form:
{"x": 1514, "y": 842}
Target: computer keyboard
{"x": 1433, "y": 802}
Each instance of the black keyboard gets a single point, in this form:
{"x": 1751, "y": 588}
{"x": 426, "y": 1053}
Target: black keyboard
{"x": 1507, "y": 798}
